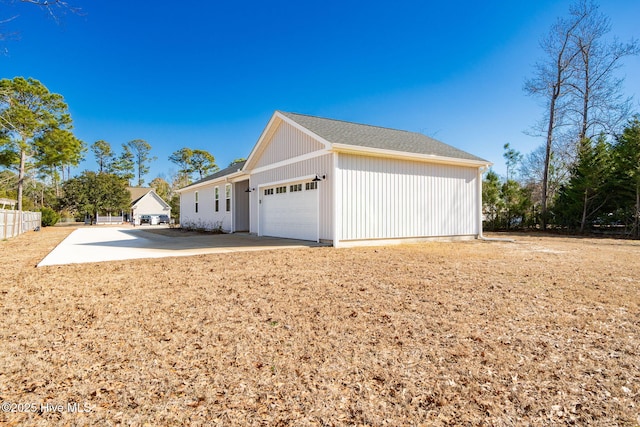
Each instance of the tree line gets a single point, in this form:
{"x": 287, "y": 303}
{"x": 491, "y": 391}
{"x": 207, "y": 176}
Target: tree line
{"x": 38, "y": 150}
{"x": 587, "y": 125}
{"x": 600, "y": 194}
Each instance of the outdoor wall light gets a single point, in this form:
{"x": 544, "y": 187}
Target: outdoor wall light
{"x": 249, "y": 190}
{"x": 318, "y": 179}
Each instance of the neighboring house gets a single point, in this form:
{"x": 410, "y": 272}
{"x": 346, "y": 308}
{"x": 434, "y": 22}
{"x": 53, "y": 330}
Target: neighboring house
{"x": 320, "y": 179}
{"x": 145, "y": 201}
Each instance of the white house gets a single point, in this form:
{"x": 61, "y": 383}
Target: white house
{"x": 145, "y": 201}
{"x": 320, "y": 179}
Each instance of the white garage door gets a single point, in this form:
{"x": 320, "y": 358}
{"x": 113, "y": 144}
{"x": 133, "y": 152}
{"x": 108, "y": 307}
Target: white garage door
{"x": 290, "y": 211}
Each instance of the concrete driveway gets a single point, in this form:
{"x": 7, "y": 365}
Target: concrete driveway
{"x": 103, "y": 243}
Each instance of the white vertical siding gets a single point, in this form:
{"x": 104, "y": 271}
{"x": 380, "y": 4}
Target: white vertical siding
{"x": 387, "y": 198}
{"x": 286, "y": 143}
{"x": 206, "y": 216}
{"x": 322, "y": 165}
{"x": 149, "y": 205}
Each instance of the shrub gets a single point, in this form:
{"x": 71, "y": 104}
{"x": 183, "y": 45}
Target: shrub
{"x": 49, "y": 216}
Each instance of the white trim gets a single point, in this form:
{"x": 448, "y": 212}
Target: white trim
{"x": 260, "y": 187}
{"x": 267, "y": 131}
{"x": 263, "y": 135}
{"x": 234, "y": 177}
{"x": 292, "y": 160}
{"x": 402, "y": 240}
{"x": 304, "y": 130}
{"x": 317, "y": 190}
{"x": 403, "y": 155}
{"x": 337, "y": 197}
{"x": 287, "y": 181}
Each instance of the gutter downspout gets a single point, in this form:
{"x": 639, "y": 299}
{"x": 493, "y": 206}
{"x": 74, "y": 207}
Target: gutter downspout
{"x": 480, "y": 236}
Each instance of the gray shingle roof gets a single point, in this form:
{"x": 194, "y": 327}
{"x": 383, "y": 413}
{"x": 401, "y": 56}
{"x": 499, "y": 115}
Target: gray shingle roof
{"x": 221, "y": 173}
{"x": 340, "y": 132}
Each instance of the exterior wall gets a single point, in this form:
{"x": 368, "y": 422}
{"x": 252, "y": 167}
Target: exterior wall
{"x": 322, "y": 165}
{"x": 149, "y": 205}
{"x": 286, "y": 143}
{"x": 206, "y": 217}
{"x": 385, "y": 198}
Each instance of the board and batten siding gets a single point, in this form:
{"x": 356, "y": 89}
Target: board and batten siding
{"x": 321, "y": 165}
{"x": 206, "y": 217}
{"x": 286, "y": 143}
{"x": 386, "y": 198}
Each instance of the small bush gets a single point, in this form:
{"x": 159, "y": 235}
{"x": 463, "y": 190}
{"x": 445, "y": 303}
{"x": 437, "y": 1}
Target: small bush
{"x": 49, "y": 217}
{"x": 203, "y": 227}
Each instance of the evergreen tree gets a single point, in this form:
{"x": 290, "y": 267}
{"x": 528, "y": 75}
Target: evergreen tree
{"x": 104, "y": 155}
{"x": 93, "y": 193}
{"x": 627, "y": 166}
{"x": 583, "y": 197}
{"x": 29, "y": 116}
{"x": 124, "y": 165}
{"x": 141, "y": 157}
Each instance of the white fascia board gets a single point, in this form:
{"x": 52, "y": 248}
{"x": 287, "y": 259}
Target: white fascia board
{"x": 272, "y": 122}
{"x": 311, "y": 155}
{"x": 263, "y": 135}
{"x": 303, "y": 129}
{"x": 232, "y": 177}
{"x": 402, "y": 155}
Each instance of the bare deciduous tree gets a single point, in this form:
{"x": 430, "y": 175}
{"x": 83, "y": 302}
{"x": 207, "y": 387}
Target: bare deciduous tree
{"x": 54, "y": 8}
{"x": 600, "y": 105}
{"x": 577, "y": 82}
{"x": 551, "y": 81}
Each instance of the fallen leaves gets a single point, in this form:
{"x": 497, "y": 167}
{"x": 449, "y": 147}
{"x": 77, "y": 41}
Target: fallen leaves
{"x": 542, "y": 331}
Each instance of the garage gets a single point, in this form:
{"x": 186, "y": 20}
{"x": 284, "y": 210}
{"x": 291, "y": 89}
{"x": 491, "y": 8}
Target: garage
{"x": 290, "y": 210}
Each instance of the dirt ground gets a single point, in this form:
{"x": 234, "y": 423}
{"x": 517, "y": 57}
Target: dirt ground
{"x": 543, "y": 331}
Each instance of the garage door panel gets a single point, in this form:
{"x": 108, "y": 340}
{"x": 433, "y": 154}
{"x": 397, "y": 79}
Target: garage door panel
{"x": 290, "y": 214}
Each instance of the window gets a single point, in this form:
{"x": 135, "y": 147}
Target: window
{"x": 196, "y": 195}
{"x": 280, "y": 190}
{"x": 295, "y": 187}
{"x": 217, "y": 199}
{"x": 311, "y": 185}
{"x": 268, "y": 191}
{"x": 227, "y": 190}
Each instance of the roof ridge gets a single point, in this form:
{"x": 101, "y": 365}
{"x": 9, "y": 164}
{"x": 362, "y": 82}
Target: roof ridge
{"x": 359, "y": 124}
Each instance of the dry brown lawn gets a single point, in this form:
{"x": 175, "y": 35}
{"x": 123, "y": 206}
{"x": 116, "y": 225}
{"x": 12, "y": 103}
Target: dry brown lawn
{"x": 543, "y": 331}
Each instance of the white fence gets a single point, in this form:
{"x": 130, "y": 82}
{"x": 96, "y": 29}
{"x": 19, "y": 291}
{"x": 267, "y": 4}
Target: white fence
{"x": 10, "y": 222}
{"x": 108, "y": 219}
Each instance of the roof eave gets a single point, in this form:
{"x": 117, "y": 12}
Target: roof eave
{"x": 218, "y": 180}
{"x": 403, "y": 155}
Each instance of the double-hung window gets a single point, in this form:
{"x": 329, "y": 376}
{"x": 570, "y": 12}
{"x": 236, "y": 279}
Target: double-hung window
{"x": 217, "y": 199}
{"x": 227, "y": 191}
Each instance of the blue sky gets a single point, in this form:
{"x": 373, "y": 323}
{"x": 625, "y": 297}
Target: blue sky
{"x": 209, "y": 75}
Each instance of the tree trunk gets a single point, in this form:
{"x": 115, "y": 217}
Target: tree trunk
{"x": 547, "y": 155}
{"x": 23, "y": 161}
{"x": 584, "y": 211}
{"x": 637, "y": 219}
{"x": 586, "y": 95}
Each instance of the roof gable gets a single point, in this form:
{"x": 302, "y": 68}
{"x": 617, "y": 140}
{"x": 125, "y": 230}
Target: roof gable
{"x": 287, "y": 142}
{"x": 139, "y": 193}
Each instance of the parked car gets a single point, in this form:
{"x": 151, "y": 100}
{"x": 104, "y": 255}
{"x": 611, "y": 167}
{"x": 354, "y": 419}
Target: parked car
{"x": 145, "y": 219}
{"x": 163, "y": 219}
